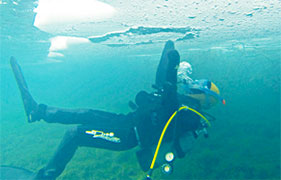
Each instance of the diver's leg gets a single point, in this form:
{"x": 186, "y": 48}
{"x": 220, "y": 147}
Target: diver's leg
{"x": 77, "y": 137}
{"x": 84, "y": 116}
{"x": 61, "y": 157}
{"x": 36, "y": 112}
{"x": 126, "y": 135}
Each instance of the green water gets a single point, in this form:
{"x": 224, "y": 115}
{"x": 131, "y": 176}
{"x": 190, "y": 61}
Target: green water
{"x": 244, "y": 141}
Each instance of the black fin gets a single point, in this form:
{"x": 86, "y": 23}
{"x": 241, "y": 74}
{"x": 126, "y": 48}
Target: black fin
{"x": 29, "y": 103}
{"x": 163, "y": 64}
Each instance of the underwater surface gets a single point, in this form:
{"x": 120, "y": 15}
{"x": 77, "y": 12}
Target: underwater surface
{"x": 102, "y": 59}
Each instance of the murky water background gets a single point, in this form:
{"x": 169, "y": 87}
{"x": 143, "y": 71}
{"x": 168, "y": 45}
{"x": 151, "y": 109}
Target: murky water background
{"x": 244, "y": 141}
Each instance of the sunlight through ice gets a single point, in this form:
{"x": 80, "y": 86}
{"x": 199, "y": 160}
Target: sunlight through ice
{"x": 65, "y": 12}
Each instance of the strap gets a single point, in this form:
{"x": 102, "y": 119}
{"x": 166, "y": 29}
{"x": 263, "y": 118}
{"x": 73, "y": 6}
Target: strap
{"x": 137, "y": 135}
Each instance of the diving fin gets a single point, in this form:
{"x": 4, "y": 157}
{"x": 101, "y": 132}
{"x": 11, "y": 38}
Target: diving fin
{"x": 30, "y": 105}
{"x": 163, "y": 64}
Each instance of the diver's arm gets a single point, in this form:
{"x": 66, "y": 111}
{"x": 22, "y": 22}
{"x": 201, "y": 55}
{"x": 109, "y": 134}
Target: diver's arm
{"x": 186, "y": 123}
{"x": 184, "y": 144}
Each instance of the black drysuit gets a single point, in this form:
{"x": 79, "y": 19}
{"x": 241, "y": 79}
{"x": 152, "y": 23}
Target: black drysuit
{"x": 141, "y": 127}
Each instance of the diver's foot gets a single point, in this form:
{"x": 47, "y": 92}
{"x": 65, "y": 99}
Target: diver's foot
{"x": 38, "y": 113}
{"x": 30, "y": 107}
{"x": 34, "y": 112}
{"x": 43, "y": 174}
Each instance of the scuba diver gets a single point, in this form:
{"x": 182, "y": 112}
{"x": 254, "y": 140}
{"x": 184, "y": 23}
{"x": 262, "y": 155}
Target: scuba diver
{"x": 142, "y": 127}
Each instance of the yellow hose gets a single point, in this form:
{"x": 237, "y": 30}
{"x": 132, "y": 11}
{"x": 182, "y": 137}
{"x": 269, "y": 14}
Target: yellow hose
{"x": 193, "y": 110}
{"x": 164, "y": 130}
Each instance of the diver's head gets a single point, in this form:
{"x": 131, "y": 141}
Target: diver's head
{"x": 204, "y": 91}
